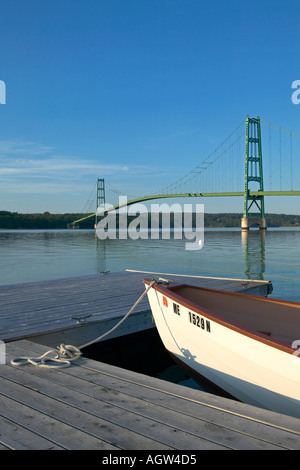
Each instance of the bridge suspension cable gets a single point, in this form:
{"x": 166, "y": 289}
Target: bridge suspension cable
{"x": 281, "y": 157}
{"x": 205, "y": 167}
{"x": 90, "y": 203}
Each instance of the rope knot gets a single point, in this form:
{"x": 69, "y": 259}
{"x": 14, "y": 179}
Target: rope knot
{"x": 69, "y": 351}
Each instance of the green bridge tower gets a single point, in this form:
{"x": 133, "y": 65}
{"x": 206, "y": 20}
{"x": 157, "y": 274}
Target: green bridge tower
{"x": 254, "y": 206}
{"x": 100, "y": 197}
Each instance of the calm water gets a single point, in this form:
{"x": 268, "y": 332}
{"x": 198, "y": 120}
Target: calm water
{"x": 42, "y": 255}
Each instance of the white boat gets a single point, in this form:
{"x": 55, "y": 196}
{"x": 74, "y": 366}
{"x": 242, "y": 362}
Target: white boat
{"x": 245, "y": 345}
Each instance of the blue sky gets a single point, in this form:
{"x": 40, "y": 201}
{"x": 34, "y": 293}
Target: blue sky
{"x": 135, "y": 91}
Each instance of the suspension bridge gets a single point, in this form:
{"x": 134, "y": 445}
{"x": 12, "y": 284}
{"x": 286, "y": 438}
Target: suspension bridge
{"x": 234, "y": 169}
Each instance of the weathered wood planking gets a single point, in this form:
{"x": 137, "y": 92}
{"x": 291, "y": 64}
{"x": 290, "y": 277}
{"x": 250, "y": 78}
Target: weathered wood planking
{"x": 92, "y": 405}
{"x": 38, "y": 309}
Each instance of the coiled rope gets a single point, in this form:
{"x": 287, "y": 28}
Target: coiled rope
{"x": 66, "y": 354}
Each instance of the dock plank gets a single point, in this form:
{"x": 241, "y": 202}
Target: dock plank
{"x": 140, "y": 412}
{"x": 71, "y": 423}
{"x": 18, "y": 437}
{"x": 25, "y": 418}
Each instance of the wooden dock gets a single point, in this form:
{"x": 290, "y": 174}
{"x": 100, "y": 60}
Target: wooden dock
{"x": 77, "y": 310}
{"x": 93, "y": 405}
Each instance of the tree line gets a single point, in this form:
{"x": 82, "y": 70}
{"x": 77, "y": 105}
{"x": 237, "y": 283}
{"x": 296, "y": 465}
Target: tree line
{"x": 48, "y": 221}
{"x": 15, "y": 220}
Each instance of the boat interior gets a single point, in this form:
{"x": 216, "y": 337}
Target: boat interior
{"x": 277, "y": 319}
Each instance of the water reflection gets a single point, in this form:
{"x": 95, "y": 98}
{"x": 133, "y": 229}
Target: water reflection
{"x": 43, "y": 255}
{"x": 101, "y": 255}
{"x": 253, "y": 242}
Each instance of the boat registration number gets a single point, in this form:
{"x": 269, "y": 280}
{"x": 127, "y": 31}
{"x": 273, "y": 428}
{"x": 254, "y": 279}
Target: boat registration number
{"x": 199, "y": 321}
{"x": 194, "y": 318}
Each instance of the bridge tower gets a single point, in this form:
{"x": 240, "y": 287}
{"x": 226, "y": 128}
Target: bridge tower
{"x": 253, "y": 174}
{"x": 100, "y": 196}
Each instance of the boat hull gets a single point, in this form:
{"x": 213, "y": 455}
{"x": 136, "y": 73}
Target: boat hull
{"x": 246, "y": 366}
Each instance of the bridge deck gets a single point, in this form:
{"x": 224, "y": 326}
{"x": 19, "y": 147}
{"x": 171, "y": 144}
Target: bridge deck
{"x": 188, "y": 195}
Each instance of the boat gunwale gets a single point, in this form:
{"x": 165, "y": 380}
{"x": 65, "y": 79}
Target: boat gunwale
{"x": 256, "y": 335}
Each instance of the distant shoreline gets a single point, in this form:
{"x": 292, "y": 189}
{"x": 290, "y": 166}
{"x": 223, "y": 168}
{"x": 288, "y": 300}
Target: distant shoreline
{"x": 15, "y": 220}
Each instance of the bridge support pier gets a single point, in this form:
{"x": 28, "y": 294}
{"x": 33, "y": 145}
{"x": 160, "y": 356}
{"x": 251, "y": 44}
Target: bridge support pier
{"x": 247, "y": 222}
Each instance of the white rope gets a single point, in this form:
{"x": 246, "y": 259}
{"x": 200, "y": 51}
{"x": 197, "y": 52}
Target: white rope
{"x": 62, "y": 358}
{"x": 51, "y": 359}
